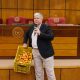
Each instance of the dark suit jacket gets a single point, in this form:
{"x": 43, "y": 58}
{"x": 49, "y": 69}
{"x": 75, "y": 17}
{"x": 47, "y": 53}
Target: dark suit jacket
{"x": 43, "y": 41}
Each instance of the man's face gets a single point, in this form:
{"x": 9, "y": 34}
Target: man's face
{"x": 37, "y": 20}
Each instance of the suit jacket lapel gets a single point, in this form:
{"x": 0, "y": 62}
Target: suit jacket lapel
{"x": 41, "y": 28}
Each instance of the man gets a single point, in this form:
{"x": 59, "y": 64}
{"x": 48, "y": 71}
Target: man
{"x": 40, "y": 36}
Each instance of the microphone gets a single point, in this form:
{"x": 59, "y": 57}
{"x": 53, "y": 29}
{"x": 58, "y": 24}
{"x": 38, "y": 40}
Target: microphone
{"x": 35, "y": 26}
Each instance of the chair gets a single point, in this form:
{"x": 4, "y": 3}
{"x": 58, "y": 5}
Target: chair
{"x": 62, "y": 20}
{"x": 54, "y": 21}
{"x": 16, "y": 20}
{"x": 51, "y": 22}
{"x": 29, "y": 21}
{"x": 1, "y": 21}
{"x": 45, "y": 21}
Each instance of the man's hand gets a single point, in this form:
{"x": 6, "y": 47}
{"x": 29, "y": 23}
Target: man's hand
{"x": 24, "y": 45}
{"x": 37, "y": 31}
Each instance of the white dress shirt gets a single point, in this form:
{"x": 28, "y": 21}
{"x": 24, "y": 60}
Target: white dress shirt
{"x": 34, "y": 38}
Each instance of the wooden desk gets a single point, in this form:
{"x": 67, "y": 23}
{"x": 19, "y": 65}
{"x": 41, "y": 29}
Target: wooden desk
{"x": 66, "y": 42}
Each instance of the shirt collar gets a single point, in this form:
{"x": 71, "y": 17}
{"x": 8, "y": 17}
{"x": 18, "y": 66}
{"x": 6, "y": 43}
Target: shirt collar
{"x": 38, "y": 26}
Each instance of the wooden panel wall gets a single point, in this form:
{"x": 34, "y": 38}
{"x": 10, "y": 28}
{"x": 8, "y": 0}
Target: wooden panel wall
{"x": 21, "y": 76}
{"x": 70, "y": 4}
{"x": 44, "y": 12}
{"x": 57, "y": 13}
{"x": 0, "y": 8}
{"x": 49, "y": 8}
{"x": 9, "y": 74}
{"x": 61, "y": 74}
{"x": 25, "y": 4}
{"x": 25, "y": 13}
{"x": 65, "y": 46}
{"x": 0, "y": 13}
{"x": 9, "y": 4}
{"x": 8, "y": 45}
{"x": 4, "y": 74}
{"x": 57, "y": 4}
{"x": 73, "y": 11}
{"x": 41, "y": 4}
{"x": 0, "y": 4}
{"x": 70, "y": 74}
{"x": 8, "y": 12}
